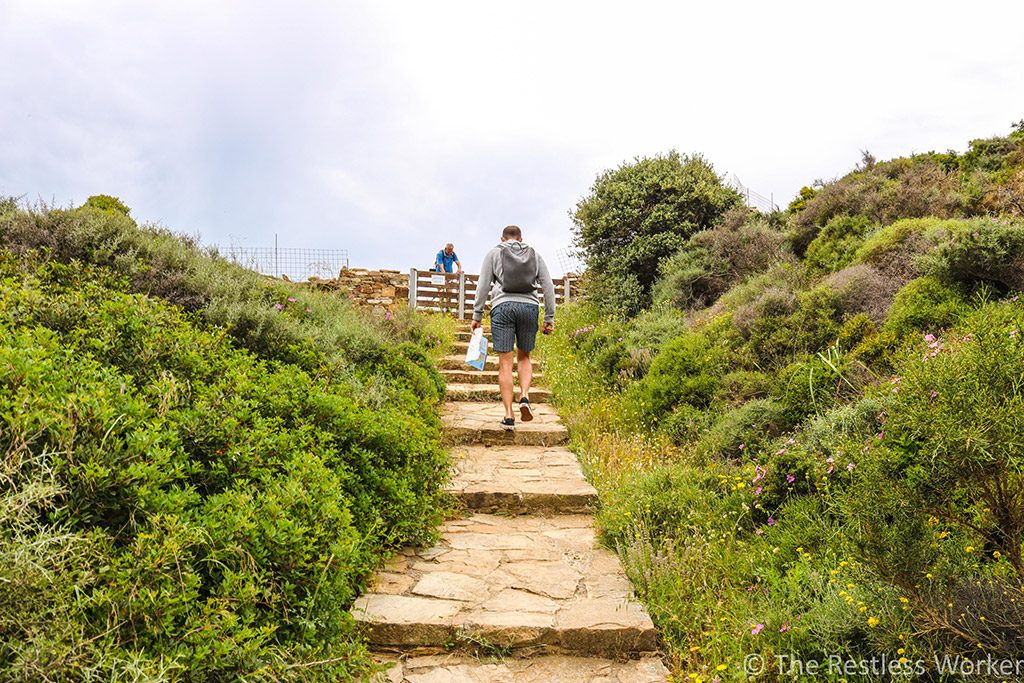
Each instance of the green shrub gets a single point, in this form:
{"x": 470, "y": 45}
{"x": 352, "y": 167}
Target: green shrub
{"x": 815, "y": 385}
{"x": 201, "y": 512}
{"x": 684, "y": 423}
{"x": 740, "y": 386}
{"x": 925, "y": 305}
{"x": 687, "y": 371}
{"x": 786, "y": 326}
{"x": 861, "y": 289}
{"x": 104, "y": 202}
{"x": 877, "y": 351}
{"x": 981, "y": 252}
{"x": 855, "y": 330}
{"x": 910, "y": 187}
{"x": 671, "y": 501}
{"x": 639, "y": 213}
{"x": 836, "y": 245}
{"x": 276, "y": 320}
{"x": 830, "y": 432}
{"x": 931, "y": 498}
{"x": 743, "y": 430}
{"x": 714, "y": 260}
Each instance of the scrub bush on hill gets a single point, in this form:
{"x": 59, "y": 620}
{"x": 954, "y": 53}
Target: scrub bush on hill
{"x": 185, "y": 501}
{"x": 948, "y": 473}
{"x": 687, "y": 371}
{"x": 983, "y": 180}
{"x": 982, "y": 251}
{"x": 640, "y": 213}
{"x": 261, "y": 314}
{"x": 926, "y": 303}
{"x": 885, "y": 192}
{"x": 836, "y": 245}
{"x": 713, "y": 260}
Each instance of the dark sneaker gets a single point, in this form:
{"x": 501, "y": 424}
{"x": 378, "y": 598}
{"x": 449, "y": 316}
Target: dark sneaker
{"x": 508, "y": 424}
{"x": 525, "y": 411}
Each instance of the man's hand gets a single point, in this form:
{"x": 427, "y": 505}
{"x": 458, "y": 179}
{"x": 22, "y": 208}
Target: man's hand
{"x": 473, "y": 325}
{"x": 549, "y": 328}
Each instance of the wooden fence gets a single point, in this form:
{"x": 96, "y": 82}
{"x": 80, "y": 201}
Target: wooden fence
{"x": 455, "y": 292}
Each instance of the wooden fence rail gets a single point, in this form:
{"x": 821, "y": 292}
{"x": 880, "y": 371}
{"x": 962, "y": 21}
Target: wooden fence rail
{"x": 454, "y": 292}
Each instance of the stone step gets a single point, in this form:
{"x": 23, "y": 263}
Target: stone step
{"x": 520, "y": 480}
{"x": 467, "y": 422}
{"x": 530, "y": 585}
{"x": 468, "y": 391}
{"x": 458, "y": 362}
{"x": 460, "y": 668}
{"x": 468, "y": 375}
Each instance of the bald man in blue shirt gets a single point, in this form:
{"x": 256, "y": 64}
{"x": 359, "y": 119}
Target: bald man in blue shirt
{"x": 446, "y": 258}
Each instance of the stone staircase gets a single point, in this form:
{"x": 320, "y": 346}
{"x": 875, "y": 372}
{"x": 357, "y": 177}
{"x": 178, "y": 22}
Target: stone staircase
{"x": 517, "y": 589}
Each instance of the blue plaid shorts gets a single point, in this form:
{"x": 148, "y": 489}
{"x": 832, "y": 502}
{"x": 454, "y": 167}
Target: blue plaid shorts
{"x": 515, "y": 323}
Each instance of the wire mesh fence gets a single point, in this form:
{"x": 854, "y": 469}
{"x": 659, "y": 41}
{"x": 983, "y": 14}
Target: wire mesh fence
{"x": 294, "y": 263}
{"x": 570, "y": 260}
{"x": 753, "y": 199}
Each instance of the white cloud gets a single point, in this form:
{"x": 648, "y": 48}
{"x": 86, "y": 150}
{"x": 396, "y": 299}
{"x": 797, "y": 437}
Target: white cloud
{"x": 389, "y": 127}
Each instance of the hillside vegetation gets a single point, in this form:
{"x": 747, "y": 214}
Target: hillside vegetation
{"x": 806, "y": 428}
{"x": 199, "y": 466}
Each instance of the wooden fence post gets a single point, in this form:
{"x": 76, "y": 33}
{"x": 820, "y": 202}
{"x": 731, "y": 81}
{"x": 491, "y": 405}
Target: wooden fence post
{"x": 462, "y": 296}
{"x": 412, "y": 287}
{"x": 568, "y": 289}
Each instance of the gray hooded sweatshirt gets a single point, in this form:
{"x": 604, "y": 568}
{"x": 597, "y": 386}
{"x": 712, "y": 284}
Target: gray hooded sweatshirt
{"x": 490, "y": 285}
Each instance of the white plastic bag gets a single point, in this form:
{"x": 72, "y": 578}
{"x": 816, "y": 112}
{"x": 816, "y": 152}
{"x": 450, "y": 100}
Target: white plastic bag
{"x": 476, "y": 355}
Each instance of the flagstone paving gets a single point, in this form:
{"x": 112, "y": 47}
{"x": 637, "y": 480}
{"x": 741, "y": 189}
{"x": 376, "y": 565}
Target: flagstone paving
{"x": 468, "y": 375}
{"x": 520, "y": 479}
{"x": 467, "y": 422}
{"x": 458, "y": 361}
{"x": 520, "y": 575}
{"x": 468, "y": 391}
{"x": 456, "y": 668}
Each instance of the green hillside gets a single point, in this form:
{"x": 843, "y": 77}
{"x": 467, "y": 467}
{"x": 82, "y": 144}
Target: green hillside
{"x": 806, "y": 427}
{"x": 199, "y": 465}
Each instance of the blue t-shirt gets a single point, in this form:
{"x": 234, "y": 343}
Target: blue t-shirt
{"x": 446, "y": 260}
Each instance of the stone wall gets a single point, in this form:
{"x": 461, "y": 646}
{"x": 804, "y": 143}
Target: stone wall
{"x": 378, "y": 290}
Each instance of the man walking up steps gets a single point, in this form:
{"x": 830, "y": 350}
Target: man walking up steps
{"x": 510, "y": 275}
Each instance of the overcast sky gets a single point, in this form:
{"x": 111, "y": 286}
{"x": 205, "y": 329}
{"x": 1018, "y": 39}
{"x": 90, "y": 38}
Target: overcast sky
{"x": 388, "y": 128}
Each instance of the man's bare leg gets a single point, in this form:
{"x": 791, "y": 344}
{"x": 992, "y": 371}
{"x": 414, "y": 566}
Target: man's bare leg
{"x": 505, "y": 380}
{"x": 525, "y": 373}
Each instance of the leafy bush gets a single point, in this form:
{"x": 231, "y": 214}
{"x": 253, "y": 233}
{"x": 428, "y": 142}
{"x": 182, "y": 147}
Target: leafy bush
{"x": 786, "y": 325}
{"x": 837, "y": 243}
{"x": 277, "y": 320}
{"x": 104, "y": 202}
{"x": 743, "y": 430}
{"x": 947, "y": 458}
{"x": 740, "y": 386}
{"x": 925, "y": 305}
{"x": 180, "y": 508}
{"x": 641, "y": 212}
{"x": 816, "y": 384}
{"x": 863, "y": 290}
{"x": 687, "y": 371}
{"x": 714, "y": 260}
{"x": 982, "y": 251}
{"x": 911, "y": 187}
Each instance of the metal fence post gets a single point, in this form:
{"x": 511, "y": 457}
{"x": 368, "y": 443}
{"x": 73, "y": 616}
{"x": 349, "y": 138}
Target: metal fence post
{"x": 462, "y": 296}
{"x": 412, "y": 288}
